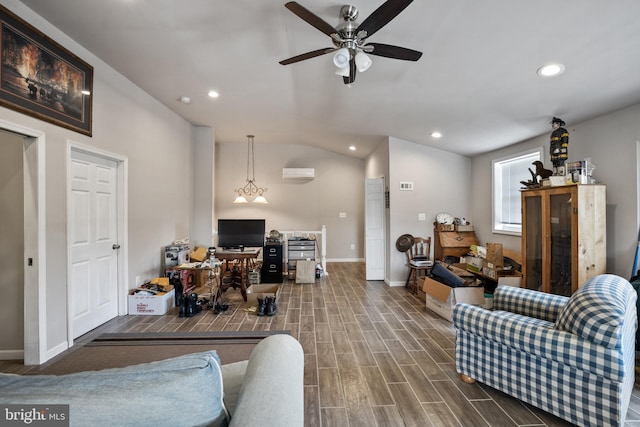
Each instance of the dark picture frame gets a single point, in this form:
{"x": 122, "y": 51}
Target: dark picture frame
{"x": 40, "y": 78}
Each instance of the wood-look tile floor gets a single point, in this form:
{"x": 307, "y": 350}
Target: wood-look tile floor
{"x": 374, "y": 355}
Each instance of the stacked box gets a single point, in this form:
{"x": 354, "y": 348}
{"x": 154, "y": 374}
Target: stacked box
{"x": 441, "y": 298}
{"x": 255, "y": 291}
{"x": 149, "y": 305}
{"x": 176, "y": 255}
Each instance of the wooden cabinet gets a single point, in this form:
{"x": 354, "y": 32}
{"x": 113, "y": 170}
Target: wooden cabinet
{"x": 563, "y": 237}
{"x": 452, "y": 243}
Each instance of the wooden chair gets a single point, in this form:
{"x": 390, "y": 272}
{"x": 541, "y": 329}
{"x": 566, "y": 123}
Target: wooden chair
{"x": 419, "y": 261}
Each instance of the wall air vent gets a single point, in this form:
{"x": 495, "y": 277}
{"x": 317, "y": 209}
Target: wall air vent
{"x": 298, "y": 173}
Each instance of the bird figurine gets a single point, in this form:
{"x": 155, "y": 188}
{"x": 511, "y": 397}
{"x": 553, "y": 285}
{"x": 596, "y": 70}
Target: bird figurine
{"x": 541, "y": 171}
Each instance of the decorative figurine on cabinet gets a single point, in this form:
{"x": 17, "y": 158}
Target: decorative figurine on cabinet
{"x": 540, "y": 172}
{"x": 559, "y": 147}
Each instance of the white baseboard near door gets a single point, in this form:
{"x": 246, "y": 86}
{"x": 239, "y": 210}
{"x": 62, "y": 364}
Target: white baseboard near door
{"x": 11, "y": 354}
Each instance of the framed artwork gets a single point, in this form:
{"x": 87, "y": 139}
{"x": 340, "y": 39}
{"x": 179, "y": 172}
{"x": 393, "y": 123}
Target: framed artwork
{"x": 40, "y": 78}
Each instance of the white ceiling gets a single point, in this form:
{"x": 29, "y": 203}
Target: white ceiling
{"x": 476, "y": 81}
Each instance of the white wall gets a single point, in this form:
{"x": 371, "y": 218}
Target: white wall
{"x": 157, "y": 143}
{"x": 610, "y": 141}
{"x": 338, "y": 186}
{"x": 377, "y": 166}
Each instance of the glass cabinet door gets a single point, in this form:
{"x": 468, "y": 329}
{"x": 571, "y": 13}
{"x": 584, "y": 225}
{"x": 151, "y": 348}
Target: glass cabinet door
{"x": 534, "y": 242}
{"x": 560, "y": 245}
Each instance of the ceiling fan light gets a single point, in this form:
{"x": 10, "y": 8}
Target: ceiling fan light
{"x": 343, "y": 71}
{"x": 363, "y": 62}
{"x": 341, "y": 58}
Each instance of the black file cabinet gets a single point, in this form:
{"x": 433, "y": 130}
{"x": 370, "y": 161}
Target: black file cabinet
{"x": 272, "y": 263}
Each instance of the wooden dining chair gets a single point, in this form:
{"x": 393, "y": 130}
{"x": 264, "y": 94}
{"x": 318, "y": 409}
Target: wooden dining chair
{"x": 419, "y": 261}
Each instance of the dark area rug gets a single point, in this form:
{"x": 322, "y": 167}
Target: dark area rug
{"x": 119, "y": 350}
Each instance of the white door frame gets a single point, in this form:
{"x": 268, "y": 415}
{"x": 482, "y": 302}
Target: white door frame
{"x": 35, "y": 261}
{"x": 122, "y": 220}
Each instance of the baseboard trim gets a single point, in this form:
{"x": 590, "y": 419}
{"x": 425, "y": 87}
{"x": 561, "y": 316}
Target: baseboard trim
{"x": 11, "y": 354}
{"x": 51, "y": 353}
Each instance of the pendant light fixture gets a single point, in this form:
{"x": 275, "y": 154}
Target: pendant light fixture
{"x": 250, "y": 189}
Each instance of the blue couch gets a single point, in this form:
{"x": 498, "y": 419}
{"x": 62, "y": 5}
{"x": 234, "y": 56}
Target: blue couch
{"x": 190, "y": 390}
{"x": 571, "y": 356}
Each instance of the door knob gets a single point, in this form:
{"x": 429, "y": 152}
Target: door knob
{"x": 115, "y": 246}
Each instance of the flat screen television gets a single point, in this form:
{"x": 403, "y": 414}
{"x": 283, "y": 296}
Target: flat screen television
{"x": 241, "y": 233}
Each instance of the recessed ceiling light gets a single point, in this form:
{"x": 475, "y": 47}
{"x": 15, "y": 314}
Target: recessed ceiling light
{"x": 436, "y": 134}
{"x": 185, "y": 100}
{"x": 213, "y": 94}
{"x": 550, "y": 70}
{"x": 352, "y": 148}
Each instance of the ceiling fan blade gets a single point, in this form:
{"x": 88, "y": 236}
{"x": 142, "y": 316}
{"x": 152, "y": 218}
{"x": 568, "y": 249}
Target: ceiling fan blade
{"x": 381, "y": 16}
{"x": 352, "y": 73}
{"x": 395, "y": 52}
{"x": 307, "y": 55}
{"x": 310, "y": 18}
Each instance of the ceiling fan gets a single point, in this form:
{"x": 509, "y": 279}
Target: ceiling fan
{"x": 350, "y": 38}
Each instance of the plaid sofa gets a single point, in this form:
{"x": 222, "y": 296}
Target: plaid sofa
{"x": 571, "y": 356}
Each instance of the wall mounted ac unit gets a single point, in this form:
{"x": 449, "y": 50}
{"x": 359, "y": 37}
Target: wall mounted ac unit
{"x": 298, "y": 173}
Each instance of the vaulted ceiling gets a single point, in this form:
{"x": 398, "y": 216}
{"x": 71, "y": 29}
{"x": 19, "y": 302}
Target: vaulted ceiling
{"x": 476, "y": 82}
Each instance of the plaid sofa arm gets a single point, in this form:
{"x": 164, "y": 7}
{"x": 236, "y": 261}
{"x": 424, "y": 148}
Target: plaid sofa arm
{"x": 538, "y": 337}
{"x": 528, "y": 302}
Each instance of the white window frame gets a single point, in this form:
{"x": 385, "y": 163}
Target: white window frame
{"x": 499, "y": 173}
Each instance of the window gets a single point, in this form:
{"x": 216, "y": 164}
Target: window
{"x": 507, "y": 174}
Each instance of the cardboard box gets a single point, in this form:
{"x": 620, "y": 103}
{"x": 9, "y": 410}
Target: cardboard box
{"x": 468, "y": 277}
{"x": 146, "y": 305}
{"x": 441, "y": 298}
{"x": 198, "y": 254}
{"x": 494, "y": 254}
{"x": 255, "y": 291}
{"x": 515, "y": 280}
{"x": 474, "y": 263}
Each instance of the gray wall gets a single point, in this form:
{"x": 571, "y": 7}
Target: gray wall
{"x": 338, "y": 186}
{"x": 12, "y": 238}
{"x": 157, "y": 143}
{"x": 440, "y": 185}
{"x": 611, "y": 142}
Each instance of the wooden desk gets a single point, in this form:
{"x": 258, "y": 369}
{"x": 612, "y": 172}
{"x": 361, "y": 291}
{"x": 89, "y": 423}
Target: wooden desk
{"x": 236, "y": 275}
{"x": 452, "y": 243}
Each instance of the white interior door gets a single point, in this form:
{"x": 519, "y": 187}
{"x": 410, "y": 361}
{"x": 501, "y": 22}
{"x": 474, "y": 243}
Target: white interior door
{"x": 93, "y": 245}
{"x": 374, "y": 229}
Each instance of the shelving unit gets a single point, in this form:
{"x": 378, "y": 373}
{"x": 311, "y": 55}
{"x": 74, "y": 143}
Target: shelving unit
{"x": 299, "y": 249}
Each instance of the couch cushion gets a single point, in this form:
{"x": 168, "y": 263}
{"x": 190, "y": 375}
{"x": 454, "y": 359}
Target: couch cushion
{"x": 596, "y": 310}
{"x": 181, "y": 391}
